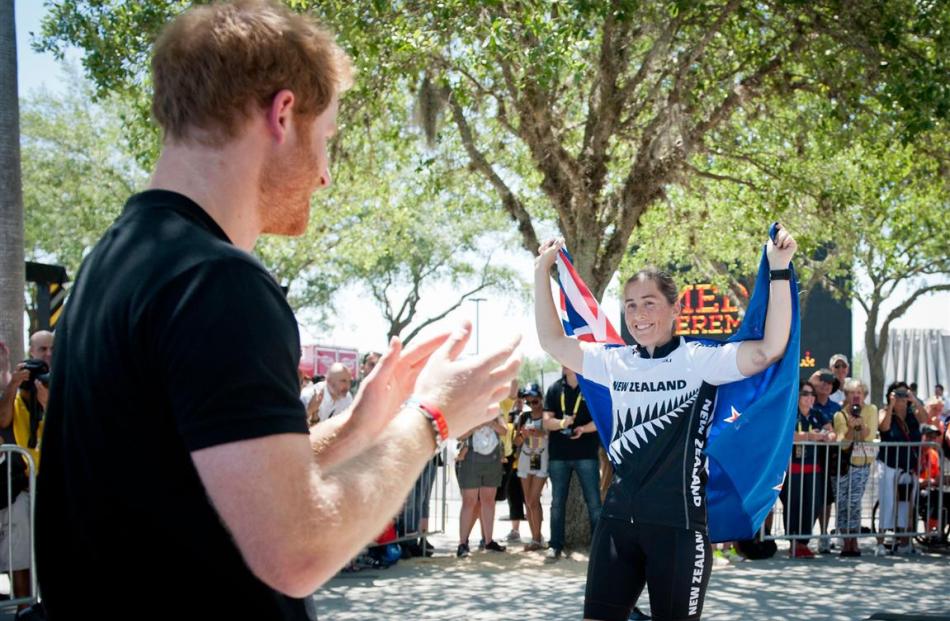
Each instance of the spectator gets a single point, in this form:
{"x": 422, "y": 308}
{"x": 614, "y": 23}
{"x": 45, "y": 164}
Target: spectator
{"x": 854, "y": 425}
{"x": 335, "y": 392}
{"x": 803, "y": 493}
{"x": 510, "y": 488}
{"x": 934, "y": 409}
{"x": 309, "y": 396}
{"x": 15, "y": 523}
{"x": 839, "y": 367}
{"x": 176, "y": 447}
{"x": 533, "y": 463}
{"x": 929, "y": 476}
{"x": 14, "y": 519}
{"x": 24, "y": 402}
{"x": 479, "y": 471}
{"x": 368, "y": 362}
{"x": 939, "y": 394}
{"x": 22, "y": 420}
{"x": 573, "y": 449}
{"x": 899, "y": 421}
{"x": 826, "y": 383}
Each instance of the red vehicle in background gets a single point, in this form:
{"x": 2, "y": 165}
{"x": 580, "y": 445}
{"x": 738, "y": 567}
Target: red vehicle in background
{"x": 319, "y": 358}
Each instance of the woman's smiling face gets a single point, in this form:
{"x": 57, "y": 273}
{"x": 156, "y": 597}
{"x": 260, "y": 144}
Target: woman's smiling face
{"x": 648, "y": 314}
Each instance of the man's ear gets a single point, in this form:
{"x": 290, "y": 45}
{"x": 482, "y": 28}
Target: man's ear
{"x": 279, "y": 114}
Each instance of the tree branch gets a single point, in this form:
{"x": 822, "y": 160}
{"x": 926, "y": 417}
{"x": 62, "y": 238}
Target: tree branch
{"x": 688, "y": 59}
{"x": 660, "y": 48}
{"x": 716, "y": 177}
{"x": 749, "y": 83}
{"x": 903, "y": 306}
{"x": 561, "y": 174}
{"x": 509, "y": 201}
{"x": 484, "y": 285}
{"x": 604, "y": 103}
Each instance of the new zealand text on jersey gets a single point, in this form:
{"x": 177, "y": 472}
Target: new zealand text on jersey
{"x": 649, "y": 386}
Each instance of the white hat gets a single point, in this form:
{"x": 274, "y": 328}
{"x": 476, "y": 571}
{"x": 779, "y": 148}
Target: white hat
{"x": 836, "y": 358}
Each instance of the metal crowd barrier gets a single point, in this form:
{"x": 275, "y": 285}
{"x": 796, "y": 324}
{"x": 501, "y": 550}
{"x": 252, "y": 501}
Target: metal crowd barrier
{"x": 895, "y": 502}
{"x": 427, "y": 500}
{"x": 9, "y": 452}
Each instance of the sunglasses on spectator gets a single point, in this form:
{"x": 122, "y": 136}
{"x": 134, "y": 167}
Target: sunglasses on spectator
{"x": 841, "y": 365}
{"x": 534, "y": 402}
{"x": 806, "y": 393}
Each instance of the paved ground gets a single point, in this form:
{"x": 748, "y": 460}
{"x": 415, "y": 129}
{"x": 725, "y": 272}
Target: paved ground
{"x": 522, "y": 586}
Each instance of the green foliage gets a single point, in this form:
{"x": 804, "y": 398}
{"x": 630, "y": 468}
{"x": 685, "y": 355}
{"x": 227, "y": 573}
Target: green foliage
{"x": 840, "y": 193}
{"x": 609, "y": 117}
{"x": 77, "y": 173}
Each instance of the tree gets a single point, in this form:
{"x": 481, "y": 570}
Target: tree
{"x": 863, "y": 208}
{"x": 722, "y": 213}
{"x": 897, "y": 209}
{"x": 78, "y": 171}
{"x": 12, "y": 273}
{"x": 590, "y": 112}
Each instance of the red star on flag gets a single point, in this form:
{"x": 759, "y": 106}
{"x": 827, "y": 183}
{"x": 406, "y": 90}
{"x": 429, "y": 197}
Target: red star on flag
{"x": 735, "y": 416}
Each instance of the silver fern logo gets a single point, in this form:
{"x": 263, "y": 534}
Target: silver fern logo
{"x": 635, "y": 428}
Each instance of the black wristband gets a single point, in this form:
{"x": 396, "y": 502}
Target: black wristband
{"x": 785, "y": 274}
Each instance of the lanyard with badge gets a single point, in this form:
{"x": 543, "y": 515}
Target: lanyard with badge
{"x": 577, "y": 406}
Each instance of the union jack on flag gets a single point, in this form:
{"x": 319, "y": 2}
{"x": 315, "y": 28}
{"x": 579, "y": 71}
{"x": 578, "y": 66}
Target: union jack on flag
{"x": 580, "y": 313}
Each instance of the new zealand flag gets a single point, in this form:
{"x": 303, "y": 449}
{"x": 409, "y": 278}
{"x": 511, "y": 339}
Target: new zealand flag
{"x": 750, "y": 440}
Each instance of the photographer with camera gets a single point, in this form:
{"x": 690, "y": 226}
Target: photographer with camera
{"x": 22, "y": 409}
{"x": 26, "y": 394}
{"x": 855, "y": 425}
{"x": 899, "y": 421}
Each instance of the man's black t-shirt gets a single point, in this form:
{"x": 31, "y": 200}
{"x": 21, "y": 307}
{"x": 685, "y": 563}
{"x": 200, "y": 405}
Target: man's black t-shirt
{"x": 173, "y": 340}
{"x": 561, "y": 445}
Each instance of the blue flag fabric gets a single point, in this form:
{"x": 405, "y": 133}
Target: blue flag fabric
{"x": 750, "y": 439}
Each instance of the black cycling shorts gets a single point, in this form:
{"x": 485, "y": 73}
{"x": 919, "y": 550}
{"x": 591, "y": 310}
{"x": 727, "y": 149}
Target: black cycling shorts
{"x": 673, "y": 563}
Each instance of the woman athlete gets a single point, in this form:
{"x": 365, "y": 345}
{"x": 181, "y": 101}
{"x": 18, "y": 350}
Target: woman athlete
{"x": 652, "y": 530}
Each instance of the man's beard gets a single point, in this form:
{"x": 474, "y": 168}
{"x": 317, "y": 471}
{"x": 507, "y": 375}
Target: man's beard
{"x": 285, "y": 189}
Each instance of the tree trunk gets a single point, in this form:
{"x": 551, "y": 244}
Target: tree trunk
{"x": 12, "y": 269}
{"x": 576, "y": 521}
{"x": 876, "y": 347}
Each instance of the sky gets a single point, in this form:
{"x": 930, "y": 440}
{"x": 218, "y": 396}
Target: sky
{"x": 359, "y": 323}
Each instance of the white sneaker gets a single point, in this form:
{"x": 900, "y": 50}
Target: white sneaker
{"x": 553, "y": 554}
{"x": 513, "y": 536}
{"x": 880, "y": 550}
{"x": 824, "y": 545}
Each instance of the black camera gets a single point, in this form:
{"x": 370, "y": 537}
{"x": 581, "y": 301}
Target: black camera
{"x": 901, "y": 393}
{"x": 39, "y": 370}
{"x": 855, "y": 409}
